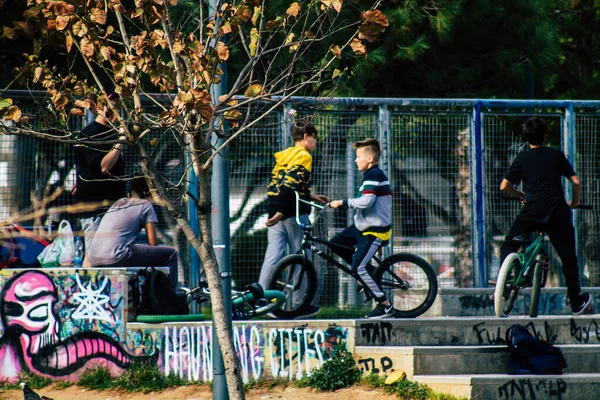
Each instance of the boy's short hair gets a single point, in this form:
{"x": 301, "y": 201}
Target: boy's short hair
{"x": 535, "y": 130}
{"x": 371, "y": 145}
{"x": 301, "y": 127}
{"x": 139, "y": 187}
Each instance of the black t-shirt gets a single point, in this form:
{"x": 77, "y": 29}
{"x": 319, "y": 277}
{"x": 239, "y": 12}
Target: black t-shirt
{"x": 92, "y": 184}
{"x": 540, "y": 169}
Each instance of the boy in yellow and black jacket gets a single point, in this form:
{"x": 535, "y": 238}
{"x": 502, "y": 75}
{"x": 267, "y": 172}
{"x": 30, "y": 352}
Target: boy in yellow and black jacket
{"x": 292, "y": 173}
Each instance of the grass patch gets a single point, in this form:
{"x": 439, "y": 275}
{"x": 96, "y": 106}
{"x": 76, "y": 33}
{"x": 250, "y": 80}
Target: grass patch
{"x": 148, "y": 378}
{"x": 266, "y": 383}
{"x": 139, "y": 378}
{"x": 60, "y": 385}
{"x": 32, "y": 380}
{"x": 97, "y": 378}
{"x": 338, "y": 372}
{"x": 405, "y": 389}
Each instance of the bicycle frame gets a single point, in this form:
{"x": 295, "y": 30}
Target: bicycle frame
{"x": 527, "y": 258}
{"x": 309, "y": 238}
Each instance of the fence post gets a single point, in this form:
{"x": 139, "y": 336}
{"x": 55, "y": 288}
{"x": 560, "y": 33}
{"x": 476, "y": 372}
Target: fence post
{"x": 477, "y": 191}
{"x": 383, "y": 132}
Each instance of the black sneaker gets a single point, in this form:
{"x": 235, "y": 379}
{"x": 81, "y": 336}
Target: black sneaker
{"x": 308, "y": 312}
{"x": 584, "y": 301}
{"x": 381, "y": 311}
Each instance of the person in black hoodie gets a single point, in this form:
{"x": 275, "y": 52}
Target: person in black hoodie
{"x": 99, "y": 169}
{"x": 544, "y": 207}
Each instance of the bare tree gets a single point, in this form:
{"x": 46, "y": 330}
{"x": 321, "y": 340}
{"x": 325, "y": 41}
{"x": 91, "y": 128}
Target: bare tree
{"x": 138, "y": 48}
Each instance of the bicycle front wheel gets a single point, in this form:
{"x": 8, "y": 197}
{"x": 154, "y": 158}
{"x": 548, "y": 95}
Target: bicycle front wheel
{"x": 409, "y": 283}
{"x": 297, "y": 279}
{"x": 507, "y": 291}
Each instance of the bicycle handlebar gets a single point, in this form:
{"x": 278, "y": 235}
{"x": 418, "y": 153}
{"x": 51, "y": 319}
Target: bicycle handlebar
{"x": 580, "y": 207}
{"x": 320, "y": 207}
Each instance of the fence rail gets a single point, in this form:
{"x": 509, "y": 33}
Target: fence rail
{"x": 445, "y": 159}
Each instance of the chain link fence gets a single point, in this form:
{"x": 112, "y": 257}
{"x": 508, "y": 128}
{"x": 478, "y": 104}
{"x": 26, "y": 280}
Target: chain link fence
{"x": 445, "y": 160}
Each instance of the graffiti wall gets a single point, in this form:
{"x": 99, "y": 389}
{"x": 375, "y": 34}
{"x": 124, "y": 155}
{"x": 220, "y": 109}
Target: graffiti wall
{"x": 58, "y": 322}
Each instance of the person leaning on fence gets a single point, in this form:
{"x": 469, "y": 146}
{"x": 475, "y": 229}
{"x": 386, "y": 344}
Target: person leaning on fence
{"x": 372, "y": 226}
{"x": 114, "y": 240}
{"x": 291, "y": 173}
{"x": 99, "y": 167}
{"x": 544, "y": 206}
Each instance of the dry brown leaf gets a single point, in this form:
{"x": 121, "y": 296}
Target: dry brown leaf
{"x": 79, "y": 29}
{"x": 336, "y": 51}
{"x": 222, "y": 51}
{"x": 294, "y": 9}
{"x": 254, "y": 90}
{"x": 358, "y": 47}
{"x": 98, "y": 16}
{"x": 87, "y": 47}
{"x": 62, "y": 21}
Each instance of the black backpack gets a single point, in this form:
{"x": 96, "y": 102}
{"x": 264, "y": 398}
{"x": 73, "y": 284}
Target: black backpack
{"x": 530, "y": 355}
{"x": 155, "y": 295}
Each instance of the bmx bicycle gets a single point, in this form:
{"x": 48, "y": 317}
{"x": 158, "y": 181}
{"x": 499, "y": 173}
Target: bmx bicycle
{"x": 250, "y": 303}
{"x": 408, "y": 281}
{"x": 528, "y": 267}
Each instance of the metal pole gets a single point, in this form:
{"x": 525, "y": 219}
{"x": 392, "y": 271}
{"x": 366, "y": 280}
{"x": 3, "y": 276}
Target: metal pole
{"x": 479, "y": 272}
{"x": 220, "y": 232}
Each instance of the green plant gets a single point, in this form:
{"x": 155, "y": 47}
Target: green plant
{"x": 338, "y": 372}
{"x": 98, "y": 378}
{"x": 404, "y": 388}
{"x": 268, "y": 383}
{"x": 146, "y": 379}
{"x": 63, "y": 384}
{"x": 32, "y": 380}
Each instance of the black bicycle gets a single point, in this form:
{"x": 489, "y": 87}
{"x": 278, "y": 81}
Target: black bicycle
{"x": 406, "y": 279}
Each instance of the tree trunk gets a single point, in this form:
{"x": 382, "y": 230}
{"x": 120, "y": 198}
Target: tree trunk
{"x": 462, "y": 234}
{"x": 203, "y": 245}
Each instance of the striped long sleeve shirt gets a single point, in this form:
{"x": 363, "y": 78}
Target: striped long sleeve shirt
{"x": 374, "y": 206}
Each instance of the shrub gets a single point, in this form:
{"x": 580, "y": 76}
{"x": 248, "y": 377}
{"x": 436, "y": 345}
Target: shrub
{"x": 98, "y": 378}
{"x": 146, "y": 379}
{"x": 338, "y": 372}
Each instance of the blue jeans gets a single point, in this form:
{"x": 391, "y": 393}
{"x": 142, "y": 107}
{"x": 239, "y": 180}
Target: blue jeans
{"x": 284, "y": 235}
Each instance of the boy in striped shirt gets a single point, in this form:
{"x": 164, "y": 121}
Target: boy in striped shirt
{"x": 372, "y": 222}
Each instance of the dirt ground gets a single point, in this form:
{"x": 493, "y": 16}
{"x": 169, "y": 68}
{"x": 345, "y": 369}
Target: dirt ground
{"x": 203, "y": 393}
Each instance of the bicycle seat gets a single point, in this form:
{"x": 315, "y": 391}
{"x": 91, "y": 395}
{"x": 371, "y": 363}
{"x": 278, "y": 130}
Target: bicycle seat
{"x": 256, "y": 290}
{"x": 527, "y": 238}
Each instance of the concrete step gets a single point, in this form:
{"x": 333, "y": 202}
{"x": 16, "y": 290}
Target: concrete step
{"x": 470, "y": 331}
{"x": 501, "y": 386}
{"x": 472, "y": 302}
{"x": 459, "y": 360}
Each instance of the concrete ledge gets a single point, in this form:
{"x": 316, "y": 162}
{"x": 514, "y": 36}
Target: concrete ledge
{"x": 470, "y": 331}
{"x": 474, "y": 302}
{"x": 502, "y": 386}
{"x": 461, "y": 360}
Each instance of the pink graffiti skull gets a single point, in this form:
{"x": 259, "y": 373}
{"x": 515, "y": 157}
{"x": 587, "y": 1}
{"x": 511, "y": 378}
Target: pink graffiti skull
{"x": 31, "y": 333}
{"x": 28, "y": 306}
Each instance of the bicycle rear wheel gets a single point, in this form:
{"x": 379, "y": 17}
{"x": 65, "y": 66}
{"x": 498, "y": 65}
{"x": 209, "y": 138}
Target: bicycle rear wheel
{"x": 506, "y": 291}
{"x": 409, "y": 283}
{"x": 297, "y": 279}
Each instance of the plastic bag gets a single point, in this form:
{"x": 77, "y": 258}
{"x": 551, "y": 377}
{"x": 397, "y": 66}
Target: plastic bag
{"x": 62, "y": 250}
